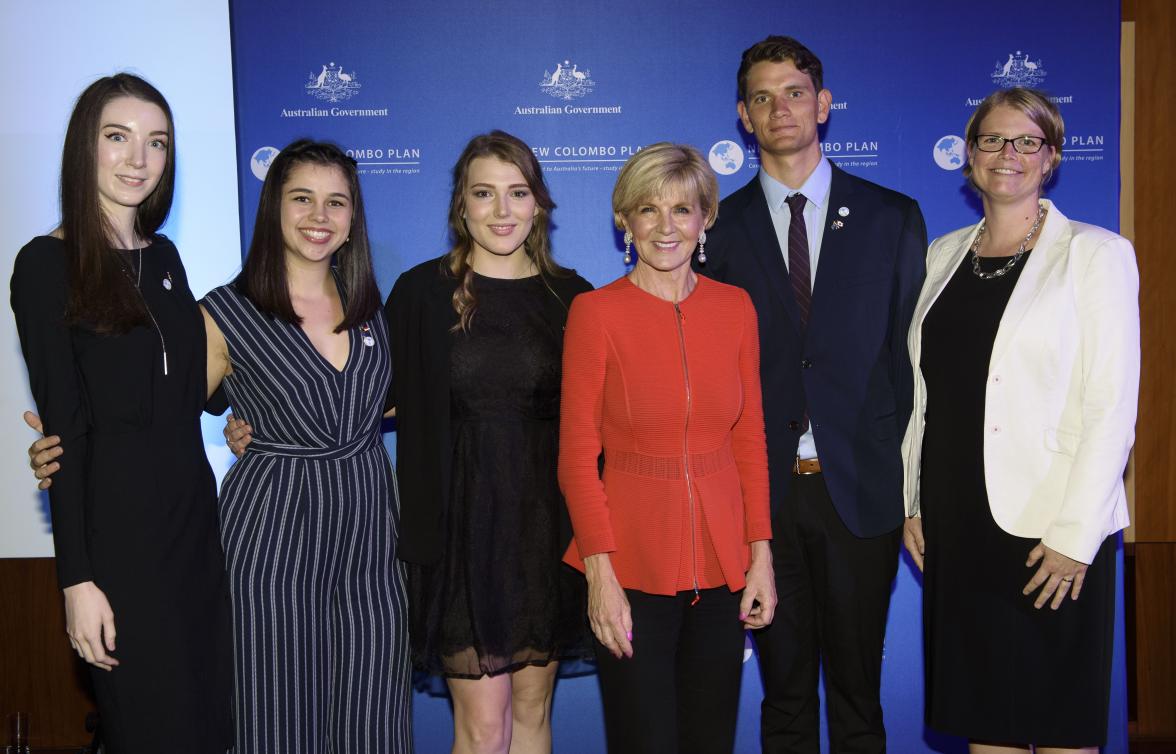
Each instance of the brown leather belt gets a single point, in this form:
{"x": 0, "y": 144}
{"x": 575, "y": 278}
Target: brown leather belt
{"x": 806, "y": 466}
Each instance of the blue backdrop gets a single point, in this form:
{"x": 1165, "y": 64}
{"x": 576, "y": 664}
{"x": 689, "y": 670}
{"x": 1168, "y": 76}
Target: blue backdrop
{"x": 404, "y": 85}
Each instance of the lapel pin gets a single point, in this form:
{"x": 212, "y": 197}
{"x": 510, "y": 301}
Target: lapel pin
{"x": 368, "y": 340}
{"x": 837, "y": 225}
{"x": 167, "y": 282}
{"x": 843, "y": 211}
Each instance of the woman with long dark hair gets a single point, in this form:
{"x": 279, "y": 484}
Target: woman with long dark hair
{"x": 115, "y": 350}
{"x": 308, "y": 515}
{"x": 477, "y": 337}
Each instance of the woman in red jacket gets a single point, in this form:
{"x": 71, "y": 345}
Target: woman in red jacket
{"x": 661, "y": 373}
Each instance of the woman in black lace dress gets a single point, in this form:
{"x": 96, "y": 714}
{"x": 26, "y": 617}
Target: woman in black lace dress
{"x": 477, "y": 338}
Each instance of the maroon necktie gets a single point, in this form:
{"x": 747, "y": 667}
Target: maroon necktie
{"x": 798, "y": 258}
{"x": 798, "y": 268}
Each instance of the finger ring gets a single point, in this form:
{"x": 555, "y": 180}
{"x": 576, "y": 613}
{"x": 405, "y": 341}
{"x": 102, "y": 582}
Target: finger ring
{"x": 1067, "y": 580}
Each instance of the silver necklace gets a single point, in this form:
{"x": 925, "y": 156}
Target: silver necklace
{"x": 1016, "y": 257}
{"x": 133, "y": 267}
{"x": 146, "y": 306}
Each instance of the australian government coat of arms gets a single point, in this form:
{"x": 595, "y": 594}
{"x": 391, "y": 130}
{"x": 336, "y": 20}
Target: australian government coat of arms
{"x": 332, "y": 84}
{"x": 567, "y": 81}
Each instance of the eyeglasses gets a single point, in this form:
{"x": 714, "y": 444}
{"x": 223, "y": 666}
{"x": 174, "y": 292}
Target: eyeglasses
{"x": 1023, "y": 144}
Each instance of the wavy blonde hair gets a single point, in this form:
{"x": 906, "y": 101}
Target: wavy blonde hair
{"x": 660, "y": 168}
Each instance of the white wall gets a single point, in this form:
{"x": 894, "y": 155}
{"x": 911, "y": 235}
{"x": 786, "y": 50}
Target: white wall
{"x": 50, "y": 50}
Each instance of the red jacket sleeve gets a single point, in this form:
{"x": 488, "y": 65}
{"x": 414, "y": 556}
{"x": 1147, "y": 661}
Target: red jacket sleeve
{"x": 747, "y": 437}
{"x": 581, "y": 415}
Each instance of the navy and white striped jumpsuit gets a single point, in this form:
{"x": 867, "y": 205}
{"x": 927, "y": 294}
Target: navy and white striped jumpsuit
{"x": 309, "y": 523}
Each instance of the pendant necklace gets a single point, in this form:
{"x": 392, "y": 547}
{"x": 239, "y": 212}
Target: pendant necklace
{"x": 1015, "y": 258}
{"x": 158, "y": 331}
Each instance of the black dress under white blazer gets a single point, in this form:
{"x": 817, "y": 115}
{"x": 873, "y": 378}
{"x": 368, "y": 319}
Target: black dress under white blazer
{"x": 1062, "y": 388}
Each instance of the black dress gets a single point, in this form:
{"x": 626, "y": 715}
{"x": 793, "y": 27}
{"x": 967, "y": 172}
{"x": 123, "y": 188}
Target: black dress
{"x": 499, "y": 598}
{"x": 134, "y": 504}
{"x": 997, "y": 669}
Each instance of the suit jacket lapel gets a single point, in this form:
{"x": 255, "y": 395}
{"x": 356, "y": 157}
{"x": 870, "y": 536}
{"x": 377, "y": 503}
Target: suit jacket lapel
{"x": 757, "y": 223}
{"x": 1049, "y": 248}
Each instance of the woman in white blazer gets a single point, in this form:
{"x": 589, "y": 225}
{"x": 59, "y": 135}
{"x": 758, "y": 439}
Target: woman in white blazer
{"x": 1025, "y": 346}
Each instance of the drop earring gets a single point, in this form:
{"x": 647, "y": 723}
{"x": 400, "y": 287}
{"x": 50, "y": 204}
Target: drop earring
{"x": 628, "y": 247}
{"x": 702, "y": 247}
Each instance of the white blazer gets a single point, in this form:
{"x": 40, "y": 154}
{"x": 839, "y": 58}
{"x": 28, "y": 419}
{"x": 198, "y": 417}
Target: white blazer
{"x": 1063, "y": 384}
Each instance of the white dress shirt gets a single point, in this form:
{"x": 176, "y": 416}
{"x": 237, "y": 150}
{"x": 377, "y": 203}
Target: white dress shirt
{"x": 816, "y": 193}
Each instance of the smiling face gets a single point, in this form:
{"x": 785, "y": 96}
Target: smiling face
{"x": 665, "y": 229}
{"x": 316, "y": 212}
{"x": 783, "y": 109}
{"x": 132, "y": 153}
{"x": 499, "y": 207}
{"x": 1007, "y": 175}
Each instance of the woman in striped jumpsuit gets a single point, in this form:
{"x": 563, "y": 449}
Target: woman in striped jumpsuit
{"x": 309, "y": 516}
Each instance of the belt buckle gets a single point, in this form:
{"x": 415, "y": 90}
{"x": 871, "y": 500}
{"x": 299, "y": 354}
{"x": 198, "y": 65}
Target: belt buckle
{"x": 796, "y": 466}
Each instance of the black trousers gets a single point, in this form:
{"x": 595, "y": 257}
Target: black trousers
{"x": 680, "y": 690}
{"x": 834, "y": 591}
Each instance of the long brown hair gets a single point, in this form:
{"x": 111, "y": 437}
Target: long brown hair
{"x": 101, "y": 295}
{"x": 510, "y": 149}
{"x": 263, "y": 279}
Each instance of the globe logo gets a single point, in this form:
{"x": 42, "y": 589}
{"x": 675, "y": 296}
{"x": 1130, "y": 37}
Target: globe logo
{"x": 949, "y": 152}
{"x": 259, "y": 163}
{"x": 725, "y": 157}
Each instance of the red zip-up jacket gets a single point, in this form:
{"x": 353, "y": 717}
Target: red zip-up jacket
{"x": 671, "y": 394}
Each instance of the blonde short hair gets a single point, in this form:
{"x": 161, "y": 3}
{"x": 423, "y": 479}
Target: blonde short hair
{"x": 1031, "y": 103}
{"x": 664, "y": 167}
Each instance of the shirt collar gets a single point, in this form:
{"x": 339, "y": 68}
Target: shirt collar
{"x": 815, "y": 188}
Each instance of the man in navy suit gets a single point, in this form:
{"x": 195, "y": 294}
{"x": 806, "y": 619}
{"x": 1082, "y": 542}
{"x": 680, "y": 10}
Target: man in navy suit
{"x": 833, "y": 265}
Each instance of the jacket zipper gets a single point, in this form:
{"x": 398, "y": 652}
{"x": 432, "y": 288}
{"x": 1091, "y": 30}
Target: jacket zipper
{"x": 686, "y": 455}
